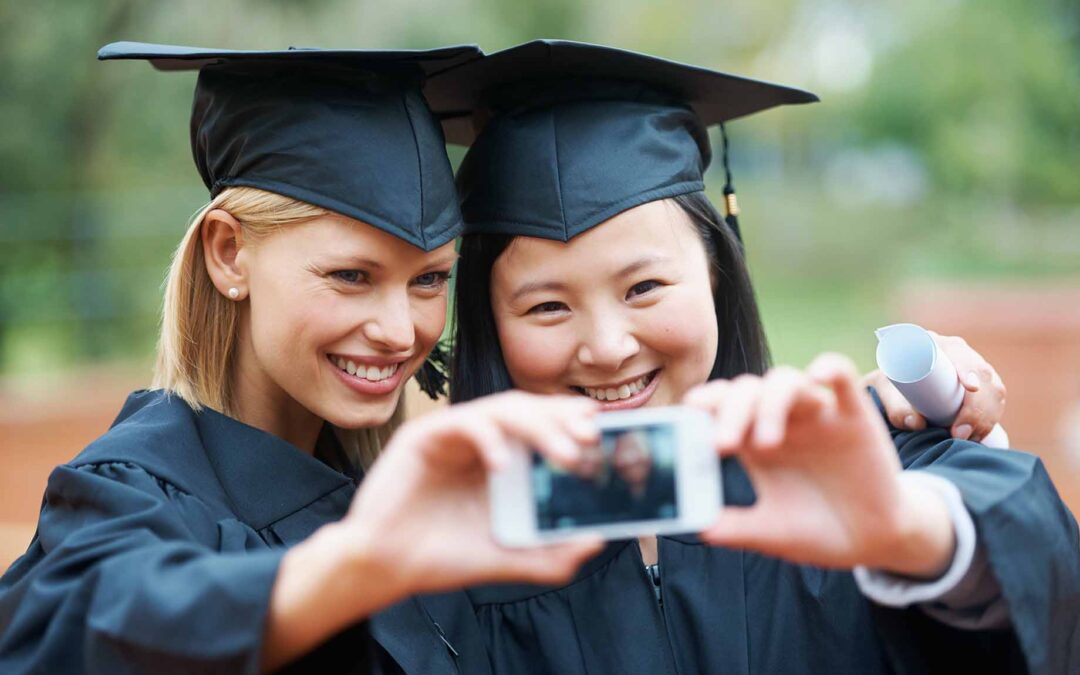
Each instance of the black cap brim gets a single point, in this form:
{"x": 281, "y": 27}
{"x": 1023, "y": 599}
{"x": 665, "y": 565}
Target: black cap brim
{"x": 176, "y": 57}
{"x": 715, "y": 97}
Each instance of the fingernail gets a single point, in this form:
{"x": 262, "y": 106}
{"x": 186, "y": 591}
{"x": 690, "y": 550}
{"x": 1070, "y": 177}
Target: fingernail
{"x": 963, "y": 432}
{"x": 972, "y": 379}
{"x": 909, "y": 422}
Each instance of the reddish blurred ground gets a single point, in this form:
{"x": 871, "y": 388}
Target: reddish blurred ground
{"x": 1031, "y": 336}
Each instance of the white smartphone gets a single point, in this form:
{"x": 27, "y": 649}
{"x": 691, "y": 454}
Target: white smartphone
{"x": 653, "y": 472}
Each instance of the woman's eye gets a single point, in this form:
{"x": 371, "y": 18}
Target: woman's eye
{"x": 432, "y": 279}
{"x": 547, "y": 308}
{"x": 348, "y": 276}
{"x": 642, "y": 288}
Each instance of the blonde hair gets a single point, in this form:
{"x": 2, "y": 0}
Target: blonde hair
{"x": 196, "y": 351}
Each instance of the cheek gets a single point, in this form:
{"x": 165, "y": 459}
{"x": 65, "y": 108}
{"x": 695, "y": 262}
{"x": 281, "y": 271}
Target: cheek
{"x": 429, "y": 320}
{"x": 291, "y": 322}
{"x": 537, "y": 357}
{"x": 683, "y": 329}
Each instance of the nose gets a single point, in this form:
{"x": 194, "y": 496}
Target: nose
{"x": 392, "y": 326}
{"x": 609, "y": 345}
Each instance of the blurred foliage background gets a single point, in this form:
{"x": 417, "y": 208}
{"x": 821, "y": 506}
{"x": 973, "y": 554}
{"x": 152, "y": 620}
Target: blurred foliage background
{"x": 943, "y": 157}
{"x": 945, "y": 147}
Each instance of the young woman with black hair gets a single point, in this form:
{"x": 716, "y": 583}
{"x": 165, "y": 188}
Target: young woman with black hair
{"x": 593, "y": 264}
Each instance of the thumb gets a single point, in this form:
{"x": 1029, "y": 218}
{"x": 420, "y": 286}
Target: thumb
{"x": 742, "y": 527}
{"x": 900, "y": 412}
{"x": 549, "y": 564}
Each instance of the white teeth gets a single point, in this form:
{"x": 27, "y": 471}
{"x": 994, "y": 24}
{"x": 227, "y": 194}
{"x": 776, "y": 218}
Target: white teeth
{"x": 623, "y": 391}
{"x": 370, "y": 373}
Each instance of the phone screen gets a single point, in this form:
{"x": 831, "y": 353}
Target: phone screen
{"x": 629, "y": 476}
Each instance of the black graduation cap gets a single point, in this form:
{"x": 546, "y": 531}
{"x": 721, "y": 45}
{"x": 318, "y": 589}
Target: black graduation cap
{"x": 347, "y": 130}
{"x": 566, "y": 135}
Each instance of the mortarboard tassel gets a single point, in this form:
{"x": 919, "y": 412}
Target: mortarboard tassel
{"x": 432, "y": 375}
{"x": 731, "y": 205}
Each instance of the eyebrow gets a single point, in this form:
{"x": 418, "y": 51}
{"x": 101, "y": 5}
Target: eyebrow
{"x": 535, "y": 286}
{"x": 635, "y": 266}
{"x": 365, "y": 262}
{"x": 640, "y": 264}
{"x": 369, "y": 263}
{"x": 449, "y": 259}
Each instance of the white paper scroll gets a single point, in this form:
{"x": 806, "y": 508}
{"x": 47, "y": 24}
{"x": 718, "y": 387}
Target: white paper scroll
{"x": 926, "y": 377}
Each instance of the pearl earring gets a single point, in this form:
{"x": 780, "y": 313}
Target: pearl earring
{"x": 234, "y": 292}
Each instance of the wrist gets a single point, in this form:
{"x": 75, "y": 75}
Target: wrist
{"x": 923, "y": 543}
{"x": 322, "y": 587}
{"x": 364, "y": 574}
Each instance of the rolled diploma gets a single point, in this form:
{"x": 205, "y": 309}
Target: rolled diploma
{"x": 910, "y": 358}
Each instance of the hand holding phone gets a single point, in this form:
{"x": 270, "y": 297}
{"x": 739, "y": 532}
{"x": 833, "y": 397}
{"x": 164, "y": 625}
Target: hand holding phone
{"x": 827, "y": 478}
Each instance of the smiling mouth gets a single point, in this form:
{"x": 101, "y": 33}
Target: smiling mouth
{"x": 360, "y": 371}
{"x": 619, "y": 392}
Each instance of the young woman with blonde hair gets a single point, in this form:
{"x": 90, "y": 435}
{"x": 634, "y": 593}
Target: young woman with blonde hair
{"x": 217, "y": 526}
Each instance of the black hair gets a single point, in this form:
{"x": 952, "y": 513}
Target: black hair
{"x": 478, "y": 368}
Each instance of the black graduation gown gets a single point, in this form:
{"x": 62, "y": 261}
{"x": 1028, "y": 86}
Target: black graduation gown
{"x": 726, "y": 611}
{"x": 157, "y": 548}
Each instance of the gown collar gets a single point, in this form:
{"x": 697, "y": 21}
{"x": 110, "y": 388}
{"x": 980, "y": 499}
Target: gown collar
{"x": 265, "y": 477}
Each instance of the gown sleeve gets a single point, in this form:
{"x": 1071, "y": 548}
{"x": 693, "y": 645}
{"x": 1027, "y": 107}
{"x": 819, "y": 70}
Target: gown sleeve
{"x": 1029, "y": 539}
{"x": 117, "y": 580}
{"x": 967, "y": 595}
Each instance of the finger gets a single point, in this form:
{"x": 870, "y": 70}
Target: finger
{"x": 736, "y": 413}
{"x": 838, "y": 373}
{"x": 742, "y": 527}
{"x": 972, "y": 422}
{"x": 779, "y": 393}
{"x": 970, "y": 380}
{"x": 708, "y": 396}
{"x": 579, "y": 421}
{"x": 575, "y": 414}
{"x": 965, "y": 431}
{"x": 971, "y": 367}
{"x": 538, "y": 423}
{"x": 999, "y": 386}
{"x": 875, "y": 378}
{"x": 900, "y": 412}
{"x": 548, "y": 564}
{"x": 480, "y": 435}
{"x": 975, "y": 374}
{"x": 982, "y": 408}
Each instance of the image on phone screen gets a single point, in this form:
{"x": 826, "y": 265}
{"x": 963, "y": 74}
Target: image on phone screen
{"x": 629, "y": 476}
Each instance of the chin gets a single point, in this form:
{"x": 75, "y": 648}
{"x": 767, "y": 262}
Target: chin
{"x": 374, "y": 416}
{"x": 366, "y": 415}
